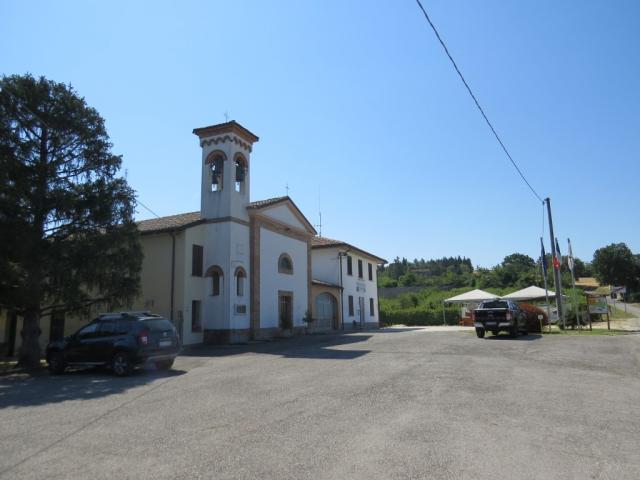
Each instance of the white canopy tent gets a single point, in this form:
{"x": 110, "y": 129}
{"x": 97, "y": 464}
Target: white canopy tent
{"x": 466, "y": 299}
{"x": 529, "y": 293}
{"x": 474, "y": 296}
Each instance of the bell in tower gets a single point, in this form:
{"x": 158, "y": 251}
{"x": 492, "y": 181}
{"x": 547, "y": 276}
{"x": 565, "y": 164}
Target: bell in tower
{"x": 226, "y": 150}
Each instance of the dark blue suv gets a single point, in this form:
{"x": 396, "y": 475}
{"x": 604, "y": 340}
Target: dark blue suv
{"x": 117, "y": 340}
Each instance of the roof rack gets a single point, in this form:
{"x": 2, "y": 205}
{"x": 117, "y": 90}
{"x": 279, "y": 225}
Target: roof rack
{"x": 134, "y": 313}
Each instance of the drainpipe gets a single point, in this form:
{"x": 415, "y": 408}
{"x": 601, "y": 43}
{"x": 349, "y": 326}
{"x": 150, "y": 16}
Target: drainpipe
{"x": 340, "y": 255}
{"x": 173, "y": 272}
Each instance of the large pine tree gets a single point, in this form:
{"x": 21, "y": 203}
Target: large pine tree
{"x": 67, "y": 236}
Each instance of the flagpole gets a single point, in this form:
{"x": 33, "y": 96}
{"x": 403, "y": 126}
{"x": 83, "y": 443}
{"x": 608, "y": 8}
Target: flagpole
{"x": 543, "y": 264}
{"x": 573, "y": 283}
{"x": 556, "y": 271}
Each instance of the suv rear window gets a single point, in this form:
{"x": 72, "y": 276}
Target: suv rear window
{"x": 157, "y": 324}
{"x": 496, "y": 304}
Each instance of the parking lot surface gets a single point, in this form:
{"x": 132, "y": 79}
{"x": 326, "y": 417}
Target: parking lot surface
{"x": 388, "y": 404}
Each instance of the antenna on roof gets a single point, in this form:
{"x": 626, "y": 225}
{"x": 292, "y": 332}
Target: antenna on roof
{"x": 226, "y": 116}
{"x": 319, "y": 225}
{"x": 286, "y": 187}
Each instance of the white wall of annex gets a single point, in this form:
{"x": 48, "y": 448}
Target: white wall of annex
{"x": 325, "y": 265}
{"x": 272, "y": 245}
{"x": 359, "y": 287}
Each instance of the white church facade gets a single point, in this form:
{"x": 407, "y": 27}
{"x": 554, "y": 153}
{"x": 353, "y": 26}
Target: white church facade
{"x": 239, "y": 270}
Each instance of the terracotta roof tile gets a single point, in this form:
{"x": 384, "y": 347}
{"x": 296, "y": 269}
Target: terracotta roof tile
{"x": 183, "y": 220}
{"x": 171, "y": 222}
{"x": 325, "y": 284}
{"x": 324, "y": 242}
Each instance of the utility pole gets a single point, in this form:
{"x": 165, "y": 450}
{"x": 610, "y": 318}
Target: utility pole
{"x": 556, "y": 271}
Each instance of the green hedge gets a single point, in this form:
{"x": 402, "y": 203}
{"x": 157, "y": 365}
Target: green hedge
{"x": 418, "y": 317}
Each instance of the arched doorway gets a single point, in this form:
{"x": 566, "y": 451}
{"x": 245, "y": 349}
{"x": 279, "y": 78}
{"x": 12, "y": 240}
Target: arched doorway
{"x": 326, "y": 311}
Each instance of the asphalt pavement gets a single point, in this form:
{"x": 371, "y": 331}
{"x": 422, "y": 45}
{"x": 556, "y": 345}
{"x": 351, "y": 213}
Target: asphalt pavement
{"x": 390, "y": 404}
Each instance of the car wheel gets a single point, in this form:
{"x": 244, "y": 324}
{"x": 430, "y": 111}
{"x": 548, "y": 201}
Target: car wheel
{"x": 480, "y": 332}
{"x": 56, "y": 363}
{"x": 121, "y": 364}
{"x": 164, "y": 364}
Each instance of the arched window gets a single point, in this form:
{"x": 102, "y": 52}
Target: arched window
{"x": 240, "y": 164}
{"x": 217, "y": 277}
{"x": 285, "y": 264}
{"x": 216, "y": 168}
{"x": 241, "y": 275}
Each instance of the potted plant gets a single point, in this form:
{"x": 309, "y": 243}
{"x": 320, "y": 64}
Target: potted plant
{"x": 308, "y": 319}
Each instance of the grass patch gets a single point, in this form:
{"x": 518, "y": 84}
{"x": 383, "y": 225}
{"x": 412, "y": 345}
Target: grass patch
{"x": 585, "y": 332}
{"x": 620, "y": 314}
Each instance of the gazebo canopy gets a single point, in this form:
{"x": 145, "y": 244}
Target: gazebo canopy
{"x": 529, "y": 293}
{"x": 471, "y": 297}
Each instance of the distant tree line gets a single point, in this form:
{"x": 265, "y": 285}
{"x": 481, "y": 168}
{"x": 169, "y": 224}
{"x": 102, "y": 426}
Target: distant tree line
{"x": 614, "y": 264}
{"x": 442, "y": 278}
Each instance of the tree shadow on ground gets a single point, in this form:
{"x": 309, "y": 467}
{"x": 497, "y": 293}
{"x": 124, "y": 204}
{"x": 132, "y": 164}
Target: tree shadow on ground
{"x": 40, "y": 388}
{"x": 25, "y": 390}
{"x": 398, "y": 329}
{"x": 521, "y": 338}
{"x": 319, "y": 346}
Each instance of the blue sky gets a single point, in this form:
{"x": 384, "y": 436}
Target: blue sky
{"x": 359, "y": 110}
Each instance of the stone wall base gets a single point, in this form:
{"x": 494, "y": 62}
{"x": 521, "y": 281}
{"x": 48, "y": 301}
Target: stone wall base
{"x": 221, "y": 336}
{"x": 217, "y": 337}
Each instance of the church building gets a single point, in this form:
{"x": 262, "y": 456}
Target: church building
{"x": 239, "y": 270}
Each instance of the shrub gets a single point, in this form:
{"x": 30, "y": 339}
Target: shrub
{"x": 416, "y": 317}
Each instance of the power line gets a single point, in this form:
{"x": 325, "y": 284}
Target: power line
{"x": 426, "y": 15}
{"x": 147, "y": 208}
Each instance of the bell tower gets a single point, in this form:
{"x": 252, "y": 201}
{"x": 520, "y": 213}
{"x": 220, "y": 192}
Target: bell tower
{"x": 226, "y": 150}
{"x": 224, "y": 197}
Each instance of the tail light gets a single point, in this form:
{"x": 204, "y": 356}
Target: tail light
{"x": 143, "y": 337}
{"x": 509, "y": 316}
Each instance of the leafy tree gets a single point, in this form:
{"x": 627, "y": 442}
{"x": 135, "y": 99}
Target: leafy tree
{"x": 519, "y": 262}
{"x": 67, "y": 236}
{"x": 616, "y": 265}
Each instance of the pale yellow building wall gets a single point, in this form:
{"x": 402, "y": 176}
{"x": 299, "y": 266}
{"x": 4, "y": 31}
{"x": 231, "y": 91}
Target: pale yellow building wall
{"x": 155, "y": 292}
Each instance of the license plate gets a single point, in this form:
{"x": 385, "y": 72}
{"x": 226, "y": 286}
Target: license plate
{"x": 164, "y": 343}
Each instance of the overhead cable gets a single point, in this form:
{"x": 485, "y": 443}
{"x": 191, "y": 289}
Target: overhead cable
{"x": 515, "y": 165}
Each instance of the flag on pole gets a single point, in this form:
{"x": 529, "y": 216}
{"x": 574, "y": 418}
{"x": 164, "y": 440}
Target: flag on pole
{"x": 543, "y": 257}
{"x": 557, "y": 260}
{"x": 570, "y": 257}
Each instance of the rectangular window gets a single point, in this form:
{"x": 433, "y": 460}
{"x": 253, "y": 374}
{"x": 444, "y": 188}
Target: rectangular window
{"x": 359, "y": 268}
{"x": 196, "y": 325}
{"x": 371, "y": 309}
{"x": 370, "y": 272}
{"x": 351, "y": 305}
{"x": 349, "y": 265}
{"x": 196, "y": 260}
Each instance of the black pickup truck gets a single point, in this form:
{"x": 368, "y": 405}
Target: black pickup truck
{"x": 497, "y": 316}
